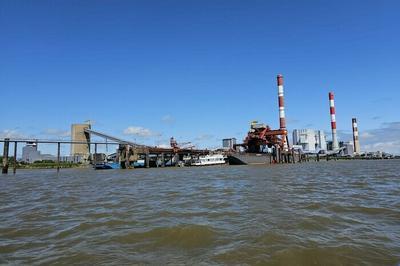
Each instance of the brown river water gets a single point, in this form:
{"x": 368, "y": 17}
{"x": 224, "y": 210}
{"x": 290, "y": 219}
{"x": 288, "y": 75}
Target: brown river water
{"x": 326, "y": 213}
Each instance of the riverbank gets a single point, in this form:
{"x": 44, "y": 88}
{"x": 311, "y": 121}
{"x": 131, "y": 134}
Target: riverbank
{"x": 46, "y": 164}
{"x": 51, "y": 165}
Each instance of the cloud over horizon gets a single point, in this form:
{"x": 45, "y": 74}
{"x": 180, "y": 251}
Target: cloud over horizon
{"x": 168, "y": 119}
{"x": 12, "y": 134}
{"x": 203, "y": 137}
{"x": 56, "y": 132}
{"x": 386, "y": 138}
{"x": 140, "y": 132}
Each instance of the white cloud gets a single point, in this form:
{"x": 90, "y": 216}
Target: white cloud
{"x": 140, "y": 132}
{"x": 56, "y": 132}
{"x": 168, "y": 119}
{"x": 386, "y": 138}
{"x": 11, "y": 134}
{"x": 366, "y": 135}
{"x": 392, "y": 125}
{"x": 389, "y": 146}
{"x": 204, "y": 137}
{"x": 291, "y": 120}
{"x": 343, "y": 135}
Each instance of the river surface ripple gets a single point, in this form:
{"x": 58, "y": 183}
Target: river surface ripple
{"x": 326, "y": 213}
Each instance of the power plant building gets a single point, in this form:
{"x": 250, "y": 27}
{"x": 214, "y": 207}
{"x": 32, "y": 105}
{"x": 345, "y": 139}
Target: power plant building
{"x": 348, "y": 148}
{"x": 228, "y": 144}
{"x": 309, "y": 139}
{"x": 30, "y": 154}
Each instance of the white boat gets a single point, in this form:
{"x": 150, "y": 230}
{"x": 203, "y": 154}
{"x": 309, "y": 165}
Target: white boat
{"x": 204, "y": 160}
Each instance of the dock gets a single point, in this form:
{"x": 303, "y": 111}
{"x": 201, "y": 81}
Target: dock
{"x": 127, "y": 152}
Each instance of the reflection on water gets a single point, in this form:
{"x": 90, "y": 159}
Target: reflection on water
{"x": 327, "y": 213}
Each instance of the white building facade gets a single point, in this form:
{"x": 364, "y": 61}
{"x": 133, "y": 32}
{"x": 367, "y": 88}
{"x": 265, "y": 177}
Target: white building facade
{"x": 309, "y": 139}
{"x": 228, "y": 144}
{"x": 30, "y": 154}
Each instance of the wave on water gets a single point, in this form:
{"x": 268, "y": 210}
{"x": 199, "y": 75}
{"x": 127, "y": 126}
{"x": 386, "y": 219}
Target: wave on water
{"x": 182, "y": 236}
{"x": 327, "y": 213}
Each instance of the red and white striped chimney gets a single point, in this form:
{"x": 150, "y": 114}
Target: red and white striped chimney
{"x": 355, "y": 136}
{"x": 335, "y": 144}
{"x": 282, "y": 119}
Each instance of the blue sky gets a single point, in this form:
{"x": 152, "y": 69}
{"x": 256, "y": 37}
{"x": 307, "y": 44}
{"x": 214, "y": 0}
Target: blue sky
{"x": 198, "y": 70}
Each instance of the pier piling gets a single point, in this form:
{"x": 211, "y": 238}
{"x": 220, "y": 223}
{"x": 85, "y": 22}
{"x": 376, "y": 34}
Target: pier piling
{"x": 15, "y": 158}
{"x": 293, "y": 158}
{"x": 127, "y": 156}
{"x": 58, "y": 156}
{"x": 147, "y": 159}
{"x": 162, "y": 160}
{"x": 5, "y": 156}
{"x": 157, "y": 160}
{"x": 176, "y": 158}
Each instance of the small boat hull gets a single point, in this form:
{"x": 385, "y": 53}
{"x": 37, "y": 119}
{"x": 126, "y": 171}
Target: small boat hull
{"x": 106, "y": 166}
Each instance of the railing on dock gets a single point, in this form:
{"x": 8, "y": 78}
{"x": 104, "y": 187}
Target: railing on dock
{"x": 7, "y": 142}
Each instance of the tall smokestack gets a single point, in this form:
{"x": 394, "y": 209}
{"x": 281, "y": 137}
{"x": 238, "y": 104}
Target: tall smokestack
{"x": 355, "y": 136}
{"x": 282, "y": 119}
{"x": 335, "y": 144}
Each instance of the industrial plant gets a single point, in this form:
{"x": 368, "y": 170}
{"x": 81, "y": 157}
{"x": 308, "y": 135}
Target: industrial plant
{"x": 261, "y": 145}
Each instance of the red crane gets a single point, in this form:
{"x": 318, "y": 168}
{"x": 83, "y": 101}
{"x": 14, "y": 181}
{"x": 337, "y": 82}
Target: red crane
{"x": 262, "y": 135}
